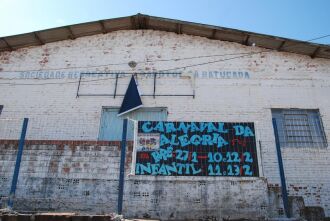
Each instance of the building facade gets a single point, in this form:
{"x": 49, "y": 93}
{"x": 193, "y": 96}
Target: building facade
{"x": 71, "y": 90}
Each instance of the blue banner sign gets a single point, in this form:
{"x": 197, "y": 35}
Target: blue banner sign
{"x": 196, "y": 149}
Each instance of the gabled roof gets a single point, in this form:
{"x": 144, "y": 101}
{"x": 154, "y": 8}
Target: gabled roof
{"x": 141, "y": 21}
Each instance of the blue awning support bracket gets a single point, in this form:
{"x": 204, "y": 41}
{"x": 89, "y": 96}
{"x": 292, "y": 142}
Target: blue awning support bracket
{"x": 17, "y": 164}
{"x": 281, "y": 168}
{"x": 154, "y": 93}
{"x": 116, "y": 84}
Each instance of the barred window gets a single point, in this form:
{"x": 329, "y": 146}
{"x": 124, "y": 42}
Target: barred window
{"x": 299, "y": 128}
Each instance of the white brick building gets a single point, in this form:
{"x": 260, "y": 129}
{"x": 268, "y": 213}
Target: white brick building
{"x": 225, "y": 78}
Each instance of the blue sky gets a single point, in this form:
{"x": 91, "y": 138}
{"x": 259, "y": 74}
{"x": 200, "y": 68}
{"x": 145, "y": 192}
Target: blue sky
{"x": 297, "y": 19}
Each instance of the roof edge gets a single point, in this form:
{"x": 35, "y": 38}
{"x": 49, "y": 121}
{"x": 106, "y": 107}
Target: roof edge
{"x": 142, "y": 21}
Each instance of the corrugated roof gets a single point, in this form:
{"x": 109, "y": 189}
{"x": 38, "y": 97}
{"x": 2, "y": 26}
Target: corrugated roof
{"x": 141, "y": 21}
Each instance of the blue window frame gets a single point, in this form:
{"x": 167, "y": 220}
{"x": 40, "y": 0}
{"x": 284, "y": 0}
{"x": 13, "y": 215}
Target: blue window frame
{"x": 299, "y": 128}
{"x": 111, "y": 126}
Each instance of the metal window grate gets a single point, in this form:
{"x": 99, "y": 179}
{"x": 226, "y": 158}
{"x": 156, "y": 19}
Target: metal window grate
{"x": 299, "y": 128}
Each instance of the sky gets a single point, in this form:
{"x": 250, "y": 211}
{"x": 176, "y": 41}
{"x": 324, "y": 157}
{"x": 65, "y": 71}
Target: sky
{"x": 295, "y": 19}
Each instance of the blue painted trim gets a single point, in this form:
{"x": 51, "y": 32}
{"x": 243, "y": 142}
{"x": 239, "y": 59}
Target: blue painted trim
{"x": 122, "y": 168}
{"x": 18, "y": 163}
{"x": 281, "y": 168}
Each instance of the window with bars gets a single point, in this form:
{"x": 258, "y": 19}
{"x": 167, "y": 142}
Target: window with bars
{"x": 299, "y": 128}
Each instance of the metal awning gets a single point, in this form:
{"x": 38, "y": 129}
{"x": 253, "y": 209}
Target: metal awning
{"x": 141, "y": 21}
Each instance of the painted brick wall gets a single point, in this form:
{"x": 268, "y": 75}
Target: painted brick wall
{"x": 83, "y": 176}
{"x": 196, "y": 198}
{"x": 63, "y": 176}
{"x": 276, "y": 80}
